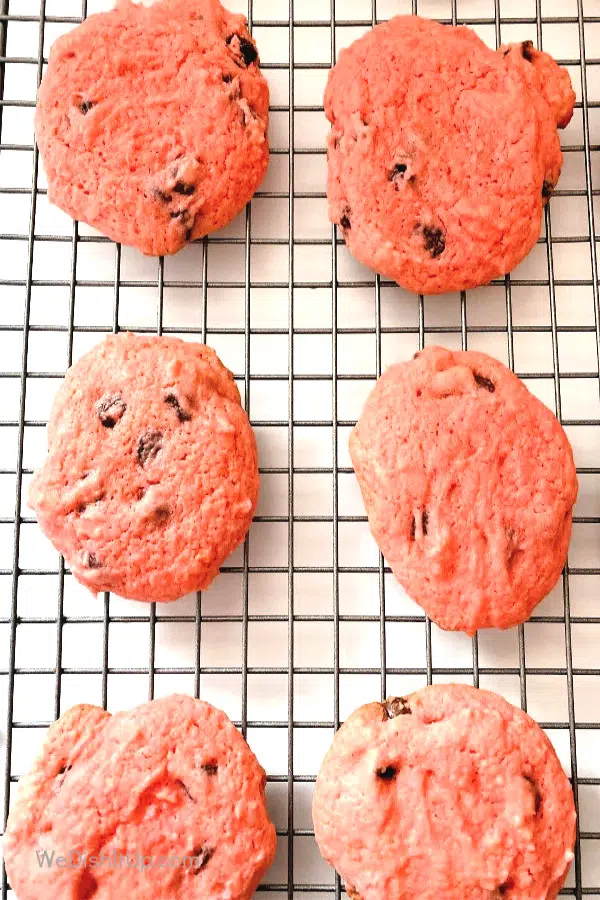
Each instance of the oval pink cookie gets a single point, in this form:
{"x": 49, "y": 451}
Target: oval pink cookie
{"x": 152, "y": 122}
{"x": 450, "y": 793}
{"x": 151, "y": 480}
{"x": 469, "y": 483}
{"x": 166, "y": 801}
{"x": 442, "y": 152}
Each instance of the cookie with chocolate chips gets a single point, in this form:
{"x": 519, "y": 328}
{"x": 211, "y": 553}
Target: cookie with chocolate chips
{"x": 469, "y": 484}
{"x": 442, "y": 152}
{"x": 169, "y": 796}
{"x": 151, "y": 480}
{"x": 152, "y": 122}
{"x": 450, "y": 792}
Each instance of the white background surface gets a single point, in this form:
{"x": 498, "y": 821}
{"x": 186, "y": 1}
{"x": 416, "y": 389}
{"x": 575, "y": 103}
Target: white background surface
{"x": 270, "y": 608}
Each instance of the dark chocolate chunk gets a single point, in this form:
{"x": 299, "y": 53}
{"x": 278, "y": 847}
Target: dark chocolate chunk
{"x": 345, "y": 223}
{"x": 396, "y": 706}
{"x": 180, "y": 784}
{"x": 547, "y": 190}
{"x": 424, "y": 524}
{"x": 148, "y": 445}
{"x": 182, "y": 414}
{"x": 537, "y": 794}
{"x": 227, "y": 78}
{"x": 435, "y": 242}
{"x": 91, "y": 561}
{"x": 202, "y": 856}
{"x": 247, "y": 49}
{"x": 88, "y": 886}
{"x": 182, "y": 187}
{"x": 484, "y": 382}
{"x": 162, "y": 196}
{"x": 386, "y": 773}
{"x": 110, "y": 409}
{"x": 503, "y": 889}
{"x": 398, "y": 172}
{"x": 64, "y": 769}
{"x": 210, "y": 768}
{"x": 161, "y": 514}
{"x": 84, "y": 106}
{"x": 527, "y": 49}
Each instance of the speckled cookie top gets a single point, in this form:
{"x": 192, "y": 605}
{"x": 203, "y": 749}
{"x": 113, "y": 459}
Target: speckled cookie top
{"x": 171, "y": 779}
{"x": 152, "y": 477}
{"x": 469, "y": 483}
{"x": 450, "y": 793}
{"x": 442, "y": 151}
{"x": 152, "y": 121}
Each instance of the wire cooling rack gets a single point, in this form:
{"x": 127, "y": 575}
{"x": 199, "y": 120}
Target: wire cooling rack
{"x": 305, "y": 622}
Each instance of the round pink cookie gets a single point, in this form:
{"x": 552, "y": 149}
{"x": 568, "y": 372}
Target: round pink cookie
{"x": 166, "y": 802}
{"x": 469, "y": 483}
{"x": 442, "y": 152}
{"x": 152, "y": 477}
{"x": 449, "y": 794}
{"x": 152, "y": 122}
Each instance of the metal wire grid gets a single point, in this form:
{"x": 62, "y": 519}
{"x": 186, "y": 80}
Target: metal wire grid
{"x": 288, "y": 880}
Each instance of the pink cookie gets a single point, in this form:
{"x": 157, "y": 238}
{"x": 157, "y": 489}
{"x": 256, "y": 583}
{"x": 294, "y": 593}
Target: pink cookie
{"x": 442, "y": 152}
{"x": 469, "y": 483}
{"x": 151, "y": 480}
{"x": 152, "y": 122}
{"x": 166, "y": 801}
{"x": 449, "y": 794}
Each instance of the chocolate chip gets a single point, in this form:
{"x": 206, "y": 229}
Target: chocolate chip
{"x": 162, "y": 196}
{"x": 398, "y": 172}
{"x": 202, "y": 856}
{"x": 396, "y": 706}
{"x": 547, "y": 190}
{"x": 484, "y": 382}
{"x": 179, "y": 214}
{"x": 537, "y": 794}
{"x": 386, "y": 773}
{"x": 182, "y": 414}
{"x": 180, "y": 784}
{"x": 64, "y": 769}
{"x": 110, "y": 409}
{"x": 84, "y": 106}
{"x": 424, "y": 524}
{"x": 504, "y": 888}
{"x": 527, "y": 50}
{"x": 87, "y": 887}
{"x": 183, "y": 187}
{"x": 148, "y": 445}
{"x": 161, "y": 514}
{"x": 90, "y": 560}
{"x": 210, "y": 768}
{"x": 227, "y": 78}
{"x": 434, "y": 240}
{"x": 247, "y": 49}
{"x": 345, "y": 223}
